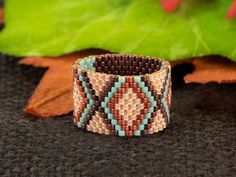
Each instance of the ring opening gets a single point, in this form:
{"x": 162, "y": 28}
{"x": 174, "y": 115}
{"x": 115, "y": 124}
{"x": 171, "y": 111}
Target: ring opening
{"x": 121, "y": 64}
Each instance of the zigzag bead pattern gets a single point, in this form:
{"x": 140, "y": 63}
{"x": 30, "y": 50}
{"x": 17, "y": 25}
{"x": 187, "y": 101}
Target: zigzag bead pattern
{"x": 124, "y": 95}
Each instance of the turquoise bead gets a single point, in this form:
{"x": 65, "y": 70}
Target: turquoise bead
{"x": 121, "y": 133}
{"x": 137, "y": 133}
{"x": 117, "y": 127}
{"x": 141, "y": 127}
{"x": 110, "y": 116}
{"x": 151, "y": 110}
{"x": 106, "y": 99}
{"x": 113, "y": 90}
{"x": 137, "y": 79}
{"x": 121, "y": 79}
{"x": 113, "y": 122}
{"x": 107, "y": 110}
{"x": 110, "y": 94}
{"x": 145, "y": 121}
{"x": 117, "y": 84}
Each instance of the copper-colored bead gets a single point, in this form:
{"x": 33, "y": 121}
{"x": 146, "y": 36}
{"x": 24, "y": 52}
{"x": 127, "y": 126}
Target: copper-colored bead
{"x": 81, "y": 89}
{"x": 136, "y": 122}
{"x": 83, "y": 94}
{"x": 119, "y": 95}
{"x": 116, "y": 95}
{"x": 122, "y": 90}
{"x": 126, "y": 128}
{"x": 134, "y": 85}
{"x": 133, "y": 128}
{"x": 141, "y": 95}
{"x": 138, "y": 90}
{"x": 117, "y": 111}
{"x": 144, "y": 111}
{"x": 122, "y": 122}
{"x": 114, "y": 111}
{"x": 141, "y": 116}
{"x": 118, "y": 117}
{"x": 110, "y": 105}
{"x": 113, "y": 100}
{"x": 123, "y": 85}
{"x": 145, "y": 100}
{"x": 130, "y": 79}
{"x": 128, "y": 133}
{"x": 78, "y": 82}
{"x": 148, "y": 105}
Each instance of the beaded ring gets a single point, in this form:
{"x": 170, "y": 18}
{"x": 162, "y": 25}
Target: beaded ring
{"x": 124, "y": 95}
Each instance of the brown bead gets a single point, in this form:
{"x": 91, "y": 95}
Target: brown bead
{"x": 145, "y": 132}
{"x": 105, "y": 68}
{"x": 153, "y": 114}
{"x": 148, "y": 126}
{"x": 125, "y": 68}
{"x": 144, "y": 71}
{"x": 150, "y": 121}
{"x": 113, "y": 132}
{"x": 131, "y": 68}
{"x": 100, "y": 109}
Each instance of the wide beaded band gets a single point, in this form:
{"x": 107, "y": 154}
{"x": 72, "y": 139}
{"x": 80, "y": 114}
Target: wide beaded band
{"x": 125, "y": 95}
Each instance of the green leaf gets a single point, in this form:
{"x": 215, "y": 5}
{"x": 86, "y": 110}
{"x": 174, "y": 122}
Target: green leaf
{"x": 56, "y": 27}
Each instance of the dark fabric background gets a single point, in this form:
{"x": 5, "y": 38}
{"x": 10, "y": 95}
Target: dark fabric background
{"x": 200, "y": 141}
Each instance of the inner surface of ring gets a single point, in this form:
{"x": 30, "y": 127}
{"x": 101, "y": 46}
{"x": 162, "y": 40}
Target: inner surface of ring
{"x": 121, "y": 64}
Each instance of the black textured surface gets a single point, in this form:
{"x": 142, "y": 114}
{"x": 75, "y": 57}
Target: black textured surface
{"x": 200, "y": 141}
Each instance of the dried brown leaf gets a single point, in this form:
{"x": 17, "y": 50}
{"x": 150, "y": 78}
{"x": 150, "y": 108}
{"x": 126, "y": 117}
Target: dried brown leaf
{"x": 212, "y": 69}
{"x": 53, "y": 96}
